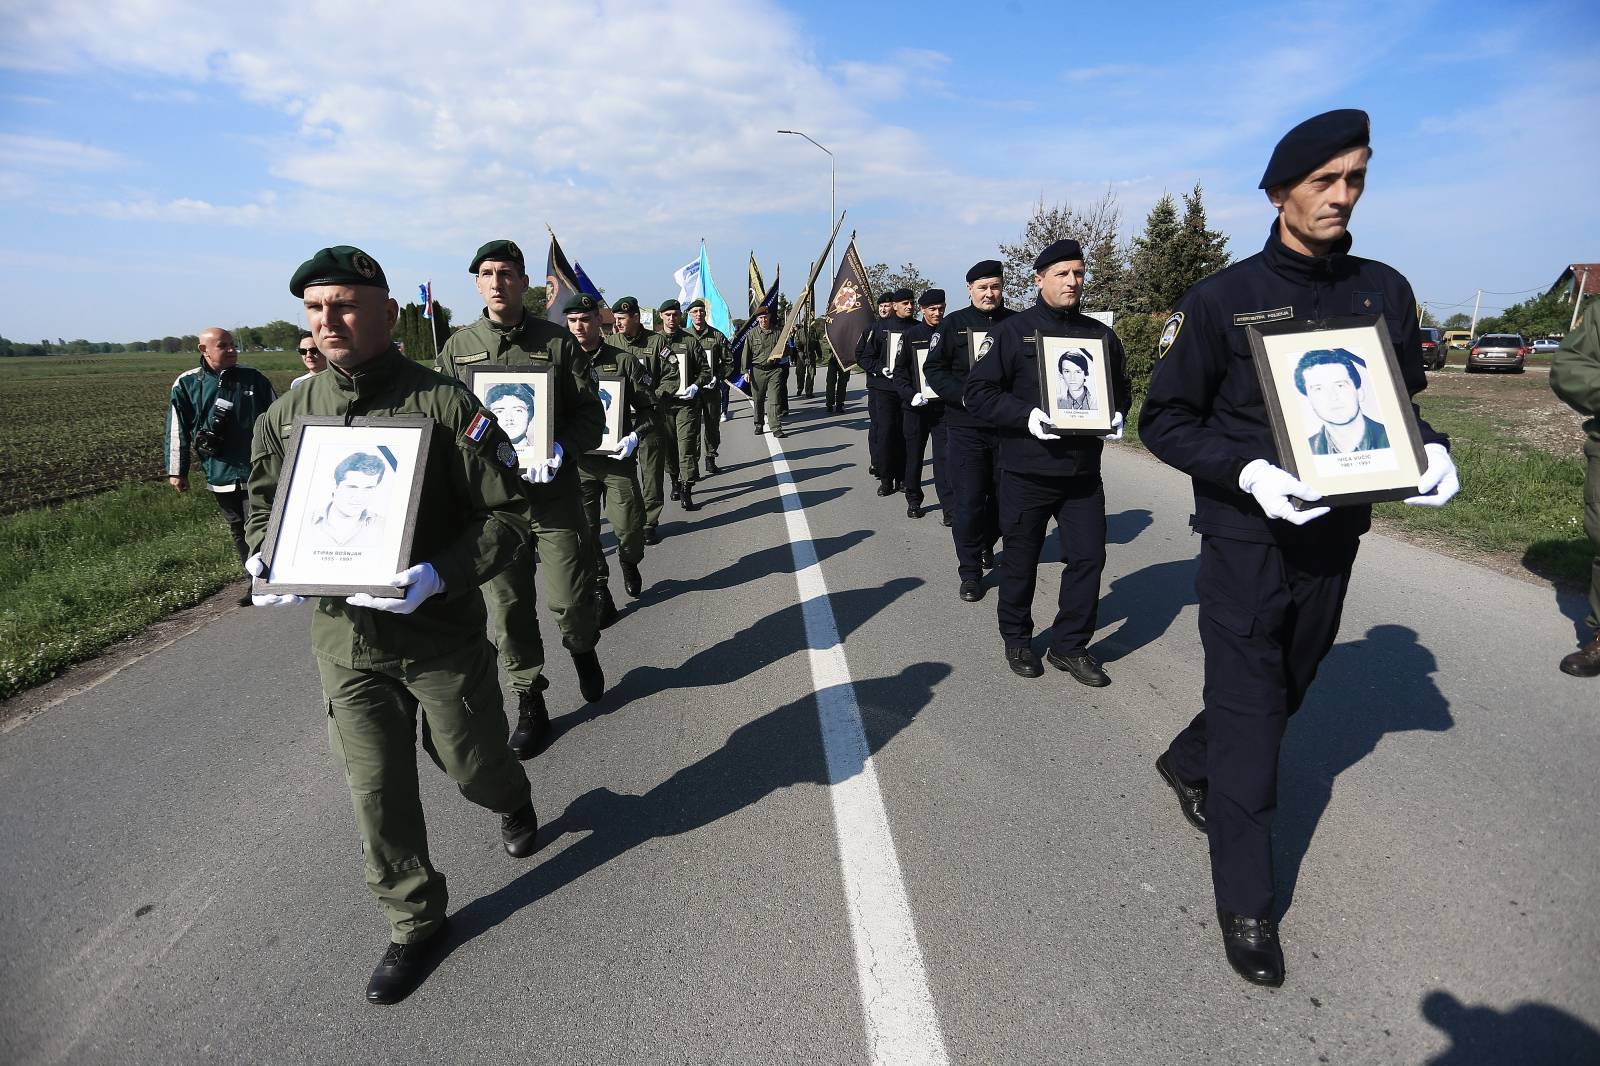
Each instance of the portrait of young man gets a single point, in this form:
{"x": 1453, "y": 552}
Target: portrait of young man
{"x": 1331, "y": 383}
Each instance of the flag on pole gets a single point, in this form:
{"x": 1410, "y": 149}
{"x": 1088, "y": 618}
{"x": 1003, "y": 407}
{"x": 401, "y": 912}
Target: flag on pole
{"x": 560, "y": 282}
{"x": 716, "y": 306}
{"x": 768, "y": 299}
{"x": 607, "y": 319}
{"x": 427, "y": 298}
{"x": 758, "y": 288}
{"x": 688, "y": 279}
{"x": 850, "y": 310}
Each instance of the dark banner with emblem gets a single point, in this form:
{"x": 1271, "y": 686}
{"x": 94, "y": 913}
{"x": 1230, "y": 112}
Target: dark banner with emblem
{"x": 560, "y": 282}
{"x": 850, "y": 307}
{"x": 769, "y": 301}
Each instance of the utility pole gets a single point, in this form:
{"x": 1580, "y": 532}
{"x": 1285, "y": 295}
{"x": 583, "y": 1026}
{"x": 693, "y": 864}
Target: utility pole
{"x": 1476, "y": 300}
{"x": 1577, "y": 297}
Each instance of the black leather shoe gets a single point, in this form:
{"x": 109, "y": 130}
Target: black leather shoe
{"x": 1252, "y": 947}
{"x": 986, "y": 560}
{"x": 533, "y": 726}
{"x": 687, "y": 499}
{"x": 914, "y": 511}
{"x": 608, "y": 609}
{"x": 872, "y": 471}
{"x": 828, "y": 407}
{"x": 1023, "y": 662}
{"x": 652, "y": 535}
{"x": 1191, "y": 800}
{"x": 947, "y": 518}
{"x": 676, "y": 491}
{"x": 712, "y": 468}
{"x": 591, "y": 679}
{"x": 760, "y": 431}
{"x": 971, "y": 591}
{"x": 780, "y": 432}
{"x": 519, "y": 832}
{"x": 632, "y": 580}
{"x": 1081, "y": 665}
{"x": 1585, "y": 662}
{"x": 403, "y": 967}
{"x": 885, "y": 487}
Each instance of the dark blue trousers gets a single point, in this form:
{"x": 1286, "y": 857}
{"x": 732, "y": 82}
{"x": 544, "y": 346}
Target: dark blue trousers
{"x": 1267, "y": 618}
{"x": 972, "y": 457}
{"x": 923, "y": 425}
{"x": 1027, "y": 503}
{"x": 885, "y": 439}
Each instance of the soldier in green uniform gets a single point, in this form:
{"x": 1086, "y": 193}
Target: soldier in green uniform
{"x": 385, "y": 662}
{"x": 613, "y": 476}
{"x": 805, "y": 361}
{"x": 714, "y": 343}
{"x": 645, "y": 347}
{"x": 766, "y": 371}
{"x": 1575, "y": 377}
{"x": 506, "y": 335}
{"x": 681, "y": 372}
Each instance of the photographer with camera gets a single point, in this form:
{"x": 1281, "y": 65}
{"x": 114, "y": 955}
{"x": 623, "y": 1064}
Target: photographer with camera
{"x": 213, "y": 408}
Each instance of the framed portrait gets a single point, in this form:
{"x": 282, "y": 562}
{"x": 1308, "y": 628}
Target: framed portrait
{"x": 1075, "y": 383}
{"x": 891, "y": 351}
{"x": 613, "y": 389}
{"x": 919, "y": 369}
{"x": 1340, "y": 414}
{"x": 977, "y": 346}
{"x": 685, "y": 379}
{"x": 346, "y": 506}
{"x": 521, "y": 399}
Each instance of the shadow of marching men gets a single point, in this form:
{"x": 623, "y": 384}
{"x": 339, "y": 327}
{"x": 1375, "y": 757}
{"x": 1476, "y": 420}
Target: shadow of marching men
{"x": 1526, "y": 1033}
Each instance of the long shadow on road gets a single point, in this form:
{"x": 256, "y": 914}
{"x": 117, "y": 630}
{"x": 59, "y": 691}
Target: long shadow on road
{"x": 779, "y": 750}
{"x": 1528, "y": 1032}
{"x": 1147, "y": 602}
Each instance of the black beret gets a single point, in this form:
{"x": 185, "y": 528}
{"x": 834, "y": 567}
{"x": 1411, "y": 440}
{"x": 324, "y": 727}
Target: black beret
{"x": 669, "y": 305}
{"x": 579, "y": 304}
{"x": 340, "y": 265}
{"x": 931, "y": 297}
{"x": 626, "y": 306}
{"x": 499, "y": 250}
{"x": 1062, "y": 250}
{"x": 902, "y": 295}
{"x": 989, "y": 268}
{"x": 697, "y": 302}
{"x": 886, "y": 297}
{"x": 1314, "y": 142}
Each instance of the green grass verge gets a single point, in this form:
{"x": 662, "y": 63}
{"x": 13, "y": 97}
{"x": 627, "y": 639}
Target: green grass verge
{"x": 83, "y": 576}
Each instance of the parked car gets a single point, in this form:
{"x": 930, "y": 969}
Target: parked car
{"x": 1546, "y": 345}
{"x": 1434, "y": 352}
{"x": 1457, "y": 338}
{"x": 1505, "y": 350}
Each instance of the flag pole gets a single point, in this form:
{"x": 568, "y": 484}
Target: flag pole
{"x": 433, "y": 321}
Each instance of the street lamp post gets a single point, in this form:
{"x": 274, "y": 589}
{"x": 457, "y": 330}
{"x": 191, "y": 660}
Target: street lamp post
{"x": 833, "y": 203}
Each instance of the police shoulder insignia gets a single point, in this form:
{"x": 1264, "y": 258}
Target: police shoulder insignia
{"x": 506, "y": 454}
{"x": 934, "y": 343}
{"x": 364, "y": 265}
{"x": 1169, "y": 333}
{"x": 647, "y": 380}
{"x": 594, "y": 374}
{"x": 983, "y": 348}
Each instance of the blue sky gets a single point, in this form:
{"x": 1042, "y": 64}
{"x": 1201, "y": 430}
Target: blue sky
{"x": 165, "y": 165}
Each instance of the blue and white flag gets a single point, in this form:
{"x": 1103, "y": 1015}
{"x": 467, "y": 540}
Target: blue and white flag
{"x": 716, "y": 306}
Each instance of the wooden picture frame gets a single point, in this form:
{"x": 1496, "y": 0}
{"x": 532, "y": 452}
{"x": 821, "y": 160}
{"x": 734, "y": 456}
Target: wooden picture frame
{"x": 1075, "y": 384}
{"x": 345, "y": 510}
{"x": 613, "y": 392}
{"x": 1341, "y": 417}
{"x": 511, "y": 389}
{"x": 919, "y": 370}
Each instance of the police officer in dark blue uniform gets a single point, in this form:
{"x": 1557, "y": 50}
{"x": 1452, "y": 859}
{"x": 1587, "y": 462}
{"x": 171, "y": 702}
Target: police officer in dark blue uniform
{"x": 971, "y": 446}
{"x": 881, "y": 346}
{"x": 921, "y": 419}
{"x": 1272, "y": 578}
{"x": 1045, "y": 474}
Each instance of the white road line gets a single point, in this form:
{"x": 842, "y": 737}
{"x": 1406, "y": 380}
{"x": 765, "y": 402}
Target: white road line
{"x": 902, "y": 1026}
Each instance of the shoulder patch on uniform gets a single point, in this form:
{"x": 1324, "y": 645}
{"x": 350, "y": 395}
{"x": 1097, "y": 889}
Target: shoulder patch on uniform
{"x": 1169, "y": 333}
{"x": 1251, "y": 318}
{"x": 478, "y": 426}
{"x": 983, "y": 347}
{"x": 468, "y": 360}
{"x": 646, "y": 380}
{"x": 934, "y": 343}
{"x": 507, "y": 455}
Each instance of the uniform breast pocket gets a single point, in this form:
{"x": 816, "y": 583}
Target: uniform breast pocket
{"x": 1366, "y": 303}
{"x": 1241, "y": 387}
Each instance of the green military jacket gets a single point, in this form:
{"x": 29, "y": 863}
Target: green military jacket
{"x": 645, "y": 348}
{"x": 714, "y": 343}
{"x": 666, "y": 370}
{"x": 190, "y": 406}
{"x": 760, "y": 345}
{"x": 580, "y": 420}
{"x": 1575, "y": 372}
{"x": 610, "y": 359}
{"x": 472, "y": 518}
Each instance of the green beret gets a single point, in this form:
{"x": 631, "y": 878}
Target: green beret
{"x": 579, "y": 304}
{"x": 501, "y": 250}
{"x": 339, "y": 265}
{"x": 669, "y": 305}
{"x": 696, "y": 302}
{"x": 626, "y": 306}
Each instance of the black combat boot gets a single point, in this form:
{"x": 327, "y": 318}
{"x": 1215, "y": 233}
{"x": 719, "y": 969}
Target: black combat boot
{"x": 533, "y": 725}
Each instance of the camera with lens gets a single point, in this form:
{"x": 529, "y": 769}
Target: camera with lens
{"x": 208, "y": 439}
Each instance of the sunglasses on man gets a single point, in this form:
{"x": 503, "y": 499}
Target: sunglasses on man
{"x": 307, "y": 351}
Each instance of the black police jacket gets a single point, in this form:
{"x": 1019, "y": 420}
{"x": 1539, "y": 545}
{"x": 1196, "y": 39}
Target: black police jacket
{"x": 902, "y": 379}
{"x": 872, "y": 354}
{"x": 950, "y": 358}
{"x": 1003, "y": 390}
{"x": 1205, "y": 414}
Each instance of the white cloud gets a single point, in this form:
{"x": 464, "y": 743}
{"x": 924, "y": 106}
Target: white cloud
{"x": 30, "y": 152}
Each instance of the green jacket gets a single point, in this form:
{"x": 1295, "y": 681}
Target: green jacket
{"x": 610, "y": 359}
{"x": 666, "y": 369}
{"x": 714, "y": 343}
{"x": 472, "y": 518}
{"x": 189, "y": 408}
{"x": 760, "y": 345}
{"x": 580, "y": 420}
{"x": 1575, "y": 371}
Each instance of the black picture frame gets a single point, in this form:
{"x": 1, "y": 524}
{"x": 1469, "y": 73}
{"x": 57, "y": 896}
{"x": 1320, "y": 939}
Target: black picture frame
{"x": 1286, "y": 354}
{"x": 1090, "y": 352}
{"x": 616, "y": 414}
{"x": 304, "y": 458}
{"x": 539, "y": 439}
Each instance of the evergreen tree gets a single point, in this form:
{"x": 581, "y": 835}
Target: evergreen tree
{"x": 1156, "y": 281}
{"x": 1202, "y": 251}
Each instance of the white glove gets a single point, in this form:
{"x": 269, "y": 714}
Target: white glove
{"x": 688, "y": 391}
{"x": 626, "y": 446}
{"x": 886, "y": 372}
{"x": 1272, "y": 487}
{"x": 1040, "y": 426}
{"x": 919, "y": 400}
{"x": 255, "y": 568}
{"x": 1440, "y": 475}
{"x": 545, "y": 472}
{"x": 420, "y": 582}
{"x": 1116, "y": 427}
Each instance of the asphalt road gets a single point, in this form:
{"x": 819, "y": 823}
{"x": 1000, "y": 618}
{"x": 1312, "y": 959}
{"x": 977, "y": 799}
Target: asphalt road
{"x": 182, "y": 878}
